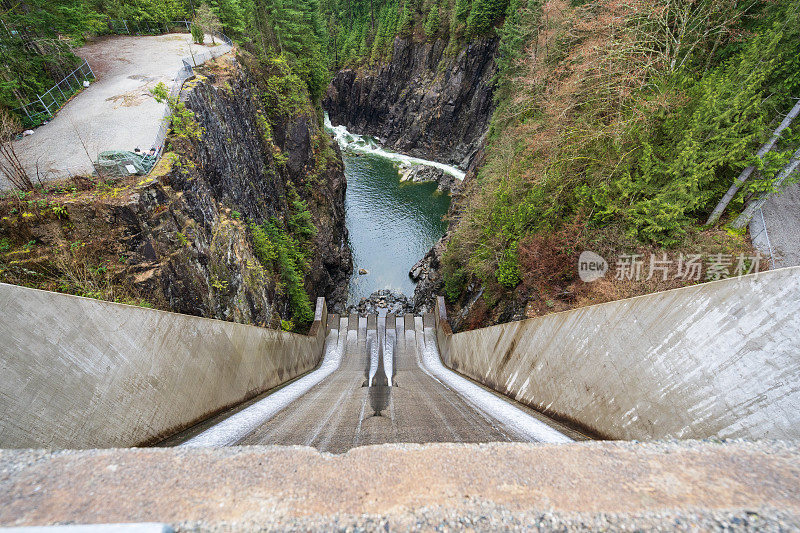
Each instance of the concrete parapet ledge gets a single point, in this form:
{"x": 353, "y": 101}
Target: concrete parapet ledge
{"x": 669, "y": 485}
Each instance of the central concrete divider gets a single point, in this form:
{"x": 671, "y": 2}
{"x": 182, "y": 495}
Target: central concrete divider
{"x": 717, "y": 359}
{"x": 82, "y": 373}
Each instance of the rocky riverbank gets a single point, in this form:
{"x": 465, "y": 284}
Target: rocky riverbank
{"x": 425, "y": 174}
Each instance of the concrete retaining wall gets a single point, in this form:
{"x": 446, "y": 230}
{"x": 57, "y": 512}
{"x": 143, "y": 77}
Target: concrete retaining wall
{"x": 83, "y": 373}
{"x": 717, "y": 359}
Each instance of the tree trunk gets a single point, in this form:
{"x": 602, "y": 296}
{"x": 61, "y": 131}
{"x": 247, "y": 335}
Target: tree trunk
{"x": 745, "y": 175}
{"x": 743, "y": 219}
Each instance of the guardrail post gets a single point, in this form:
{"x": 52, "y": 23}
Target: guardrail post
{"x": 126, "y": 26}
{"x": 47, "y": 109}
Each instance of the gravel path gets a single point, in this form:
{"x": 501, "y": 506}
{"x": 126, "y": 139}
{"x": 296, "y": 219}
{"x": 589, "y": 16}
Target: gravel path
{"x": 116, "y": 112}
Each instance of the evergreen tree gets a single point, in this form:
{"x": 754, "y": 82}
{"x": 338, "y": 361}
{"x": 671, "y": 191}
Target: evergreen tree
{"x": 432, "y": 23}
{"x": 406, "y": 18}
{"x": 512, "y": 38}
{"x": 208, "y": 20}
{"x": 484, "y": 14}
{"x": 461, "y": 11}
{"x": 230, "y": 14}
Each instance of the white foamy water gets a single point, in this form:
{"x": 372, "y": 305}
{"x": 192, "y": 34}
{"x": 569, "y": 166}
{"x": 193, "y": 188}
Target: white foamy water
{"x": 357, "y": 143}
{"x": 235, "y": 428}
{"x": 515, "y": 419}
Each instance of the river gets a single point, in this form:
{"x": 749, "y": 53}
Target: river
{"x": 392, "y": 224}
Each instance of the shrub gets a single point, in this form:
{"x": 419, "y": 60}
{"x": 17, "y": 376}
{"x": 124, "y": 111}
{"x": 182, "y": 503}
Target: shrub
{"x": 281, "y": 253}
{"x": 198, "y": 35}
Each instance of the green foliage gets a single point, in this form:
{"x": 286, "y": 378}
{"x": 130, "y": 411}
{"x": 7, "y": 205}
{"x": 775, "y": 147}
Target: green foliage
{"x": 299, "y": 222}
{"x": 520, "y": 27}
{"x": 230, "y": 15}
{"x": 484, "y": 14}
{"x": 645, "y": 162}
{"x": 432, "y": 23}
{"x": 279, "y": 252}
{"x": 687, "y": 158}
{"x": 283, "y": 94}
{"x": 293, "y": 31}
{"x": 198, "y": 35}
{"x": 461, "y": 11}
{"x": 143, "y": 10}
{"x": 184, "y": 125}
{"x": 207, "y": 19}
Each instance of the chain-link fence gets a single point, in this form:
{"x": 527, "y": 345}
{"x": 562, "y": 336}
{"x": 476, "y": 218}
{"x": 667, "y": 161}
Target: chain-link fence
{"x": 145, "y": 27}
{"x": 46, "y": 104}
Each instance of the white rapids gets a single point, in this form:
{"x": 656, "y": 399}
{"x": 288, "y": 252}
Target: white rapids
{"x": 357, "y": 143}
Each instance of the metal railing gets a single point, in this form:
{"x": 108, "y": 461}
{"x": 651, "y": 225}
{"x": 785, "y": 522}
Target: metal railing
{"x": 46, "y": 104}
{"x": 186, "y": 72}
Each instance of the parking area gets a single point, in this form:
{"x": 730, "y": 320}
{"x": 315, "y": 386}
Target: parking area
{"x": 116, "y": 112}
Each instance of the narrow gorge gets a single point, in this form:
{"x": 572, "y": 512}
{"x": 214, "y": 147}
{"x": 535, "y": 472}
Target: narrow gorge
{"x": 420, "y": 116}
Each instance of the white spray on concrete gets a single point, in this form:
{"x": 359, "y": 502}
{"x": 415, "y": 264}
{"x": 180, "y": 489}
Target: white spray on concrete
{"x": 360, "y": 144}
{"x": 512, "y": 418}
{"x": 237, "y": 427}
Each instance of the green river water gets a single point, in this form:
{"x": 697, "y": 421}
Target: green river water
{"x": 392, "y": 224}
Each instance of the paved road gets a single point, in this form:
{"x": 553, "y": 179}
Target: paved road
{"x": 355, "y": 406}
{"x": 781, "y": 214}
{"x": 116, "y": 112}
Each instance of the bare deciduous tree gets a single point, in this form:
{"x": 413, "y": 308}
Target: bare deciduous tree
{"x": 208, "y": 20}
{"x": 10, "y": 165}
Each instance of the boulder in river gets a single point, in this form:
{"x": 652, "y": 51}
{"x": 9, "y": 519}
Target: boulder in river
{"x": 382, "y": 302}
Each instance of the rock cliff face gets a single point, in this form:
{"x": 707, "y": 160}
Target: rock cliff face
{"x": 422, "y": 102}
{"x": 180, "y": 239}
{"x": 255, "y": 169}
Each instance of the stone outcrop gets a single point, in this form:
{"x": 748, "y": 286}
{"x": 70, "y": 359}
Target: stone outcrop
{"x": 425, "y": 174}
{"x": 382, "y": 301}
{"x": 424, "y": 101}
{"x": 427, "y": 271}
{"x": 179, "y": 239}
{"x": 238, "y": 166}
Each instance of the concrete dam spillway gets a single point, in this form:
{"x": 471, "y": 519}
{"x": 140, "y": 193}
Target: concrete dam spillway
{"x": 110, "y": 375}
{"x": 107, "y": 375}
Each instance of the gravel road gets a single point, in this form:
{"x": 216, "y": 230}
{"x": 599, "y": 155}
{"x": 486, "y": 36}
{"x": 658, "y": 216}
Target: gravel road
{"x": 116, "y": 112}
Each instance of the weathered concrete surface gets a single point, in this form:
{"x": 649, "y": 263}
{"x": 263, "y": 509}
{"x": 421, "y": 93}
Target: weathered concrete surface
{"x": 82, "y": 373}
{"x": 715, "y": 359}
{"x": 690, "y": 485}
{"x": 339, "y": 413}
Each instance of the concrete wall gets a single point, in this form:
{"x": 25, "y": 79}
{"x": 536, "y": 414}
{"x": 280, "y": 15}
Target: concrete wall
{"x": 716, "y": 359}
{"x": 81, "y": 373}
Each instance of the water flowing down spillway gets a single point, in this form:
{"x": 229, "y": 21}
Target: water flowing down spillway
{"x": 392, "y": 224}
